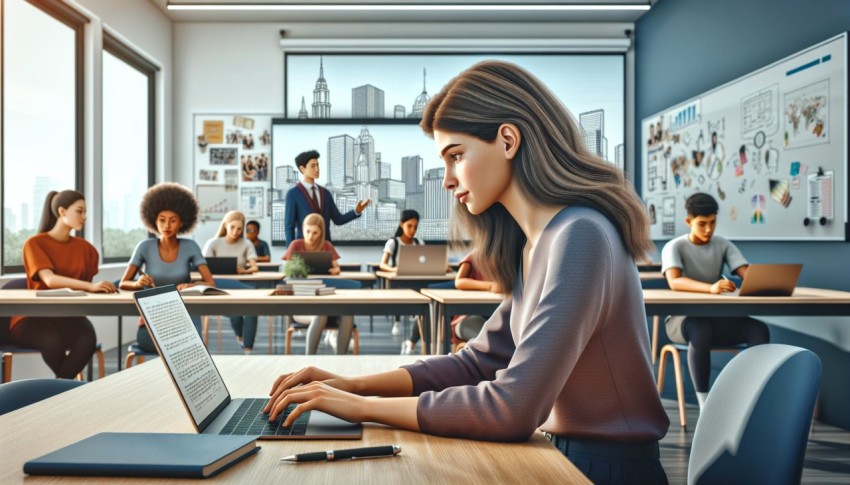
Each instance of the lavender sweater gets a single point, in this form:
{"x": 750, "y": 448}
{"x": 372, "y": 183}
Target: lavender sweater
{"x": 567, "y": 353}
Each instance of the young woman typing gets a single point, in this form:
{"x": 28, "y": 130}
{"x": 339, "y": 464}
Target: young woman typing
{"x": 567, "y": 351}
{"x": 314, "y": 240}
{"x": 228, "y": 242}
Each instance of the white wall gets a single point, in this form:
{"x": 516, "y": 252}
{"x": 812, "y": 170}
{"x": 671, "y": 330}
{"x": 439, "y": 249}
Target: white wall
{"x": 238, "y": 67}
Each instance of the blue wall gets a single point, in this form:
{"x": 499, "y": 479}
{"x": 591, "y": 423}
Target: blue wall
{"x": 686, "y": 47}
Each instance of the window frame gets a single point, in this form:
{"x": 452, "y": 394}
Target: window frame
{"x": 114, "y": 46}
{"x": 77, "y": 22}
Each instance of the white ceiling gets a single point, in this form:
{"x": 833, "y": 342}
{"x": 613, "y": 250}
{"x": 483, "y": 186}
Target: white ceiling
{"x": 571, "y": 16}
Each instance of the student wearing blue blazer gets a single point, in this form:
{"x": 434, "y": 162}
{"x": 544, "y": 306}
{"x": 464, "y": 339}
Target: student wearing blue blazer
{"x": 307, "y": 198}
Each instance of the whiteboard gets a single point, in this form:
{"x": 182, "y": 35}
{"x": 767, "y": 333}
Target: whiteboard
{"x": 770, "y": 147}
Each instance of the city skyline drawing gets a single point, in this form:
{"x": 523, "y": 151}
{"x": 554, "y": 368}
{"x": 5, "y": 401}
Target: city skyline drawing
{"x": 361, "y": 113}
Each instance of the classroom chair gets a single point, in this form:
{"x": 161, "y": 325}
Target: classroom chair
{"x": 8, "y": 349}
{"x": 755, "y": 423}
{"x": 135, "y": 354}
{"x": 675, "y": 351}
{"x": 15, "y": 395}
{"x": 292, "y": 326}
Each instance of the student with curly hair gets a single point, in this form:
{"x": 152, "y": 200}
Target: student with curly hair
{"x": 168, "y": 210}
{"x": 55, "y": 259}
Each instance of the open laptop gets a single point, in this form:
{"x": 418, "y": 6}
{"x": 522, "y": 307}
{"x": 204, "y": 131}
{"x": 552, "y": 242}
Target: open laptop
{"x": 222, "y": 265}
{"x": 423, "y": 260}
{"x": 319, "y": 262}
{"x": 770, "y": 280}
{"x": 202, "y": 389}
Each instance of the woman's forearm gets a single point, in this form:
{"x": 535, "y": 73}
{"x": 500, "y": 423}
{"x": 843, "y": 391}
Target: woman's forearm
{"x": 396, "y": 412}
{"x": 394, "y": 383}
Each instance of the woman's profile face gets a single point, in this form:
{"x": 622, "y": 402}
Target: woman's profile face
{"x": 312, "y": 234}
{"x": 477, "y": 172}
{"x": 75, "y": 215}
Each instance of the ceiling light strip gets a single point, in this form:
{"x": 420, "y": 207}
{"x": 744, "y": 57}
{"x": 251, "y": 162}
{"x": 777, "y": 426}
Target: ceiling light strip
{"x": 409, "y": 8}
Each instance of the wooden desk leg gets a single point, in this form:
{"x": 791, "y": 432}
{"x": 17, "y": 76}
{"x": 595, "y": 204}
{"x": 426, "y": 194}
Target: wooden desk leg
{"x": 271, "y": 333}
{"x": 654, "y": 350}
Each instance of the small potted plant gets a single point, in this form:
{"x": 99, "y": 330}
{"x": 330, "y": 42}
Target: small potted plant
{"x": 296, "y": 268}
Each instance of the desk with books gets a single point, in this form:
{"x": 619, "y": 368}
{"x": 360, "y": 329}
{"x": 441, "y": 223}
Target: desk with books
{"x": 143, "y": 399}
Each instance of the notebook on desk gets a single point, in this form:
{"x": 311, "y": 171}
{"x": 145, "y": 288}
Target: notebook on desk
{"x": 319, "y": 262}
{"x": 201, "y": 388}
{"x": 770, "y": 280}
{"x": 423, "y": 260}
{"x": 222, "y": 265}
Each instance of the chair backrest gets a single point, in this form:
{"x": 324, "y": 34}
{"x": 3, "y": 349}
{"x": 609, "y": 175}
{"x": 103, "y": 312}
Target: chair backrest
{"x": 756, "y": 420}
{"x": 17, "y": 394}
{"x": 15, "y": 284}
{"x": 342, "y": 284}
{"x": 444, "y": 285}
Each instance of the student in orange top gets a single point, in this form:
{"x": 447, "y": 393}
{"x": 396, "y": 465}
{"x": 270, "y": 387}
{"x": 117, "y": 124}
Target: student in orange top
{"x": 55, "y": 259}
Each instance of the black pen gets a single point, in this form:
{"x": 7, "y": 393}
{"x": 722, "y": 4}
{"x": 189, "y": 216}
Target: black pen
{"x": 349, "y": 454}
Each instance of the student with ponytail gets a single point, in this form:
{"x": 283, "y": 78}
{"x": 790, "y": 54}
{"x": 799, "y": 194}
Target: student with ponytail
{"x": 53, "y": 258}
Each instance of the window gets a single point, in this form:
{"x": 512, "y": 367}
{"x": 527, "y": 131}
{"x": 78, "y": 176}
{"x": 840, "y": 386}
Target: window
{"x": 128, "y": 146}
{"x": 42, "y": 114}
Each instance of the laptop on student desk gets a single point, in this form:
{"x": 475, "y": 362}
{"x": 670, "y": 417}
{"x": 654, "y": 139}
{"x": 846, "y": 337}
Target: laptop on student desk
{"x": 221, "y": 265}
{"x": 423, "y": 260}
{"x": 319, "y": 262}
{"x": 770, "y": 280}
{"x": 202, "y": 389}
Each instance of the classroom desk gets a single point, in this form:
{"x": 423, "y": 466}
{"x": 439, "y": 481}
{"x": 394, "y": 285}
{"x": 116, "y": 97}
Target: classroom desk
{"x": 278, "y": 265}
{"x": 804, "y": 302}
{"x": 241, "y": 302}
{"x": 144, "y": 399}
{"x": 389, "y": 279}
{"x": 267, "y": 276}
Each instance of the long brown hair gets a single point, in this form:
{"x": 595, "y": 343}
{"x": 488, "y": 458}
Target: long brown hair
{"x": 52, "y": 203}
{"x": 314, "y": 219}
{"x": 552, "y": 165}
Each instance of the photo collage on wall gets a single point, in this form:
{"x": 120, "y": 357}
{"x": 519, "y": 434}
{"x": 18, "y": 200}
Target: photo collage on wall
{"x": 232, "y": 165}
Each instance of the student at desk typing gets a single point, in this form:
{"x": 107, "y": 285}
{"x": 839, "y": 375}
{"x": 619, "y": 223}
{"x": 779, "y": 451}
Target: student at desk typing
{"x": 405, "y": 235}
{"x": 567, "y": 351}
{"x": 55, "y": 259}
{"x": 228, "y": 242}
{"x": 314, "y": 240}
{"x": 694, "y": 262}
{"x": 169, "y": 210}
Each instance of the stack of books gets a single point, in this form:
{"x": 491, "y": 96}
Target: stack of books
{"x": 304, "y": 287}
{"x": 283, "y": 290}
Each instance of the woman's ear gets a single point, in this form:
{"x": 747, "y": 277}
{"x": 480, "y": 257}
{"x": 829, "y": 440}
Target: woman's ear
{"x": 510, "y": 137}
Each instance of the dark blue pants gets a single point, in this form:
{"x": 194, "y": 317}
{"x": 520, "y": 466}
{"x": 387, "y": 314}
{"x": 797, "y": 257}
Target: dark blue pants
{"x": 609, "y": 462}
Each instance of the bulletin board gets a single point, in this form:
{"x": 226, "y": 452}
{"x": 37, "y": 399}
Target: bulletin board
{"x": 232, "y": 168}
{"x": 770, "y": 147}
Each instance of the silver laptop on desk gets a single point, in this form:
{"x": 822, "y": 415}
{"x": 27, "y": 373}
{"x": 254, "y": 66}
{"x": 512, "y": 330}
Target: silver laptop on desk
{"x": 770, "y": 280}
{"x": 202, "y": 389}
{"x": 423, "y": 260}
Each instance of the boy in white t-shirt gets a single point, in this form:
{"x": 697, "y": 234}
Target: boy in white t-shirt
{"x": 694, "y": 262}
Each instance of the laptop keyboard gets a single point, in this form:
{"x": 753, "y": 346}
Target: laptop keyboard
{"x": 249, "y": 419}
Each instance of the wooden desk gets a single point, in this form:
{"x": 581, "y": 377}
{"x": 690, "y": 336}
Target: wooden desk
{"x": 144, "y": 399}
{"x": 448, "y": 303}
{"x": 804, "y": 302}
{"x": 236, "y": 302}
{"x": 389, "y": 279}
{"x": 270, "y": 276}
